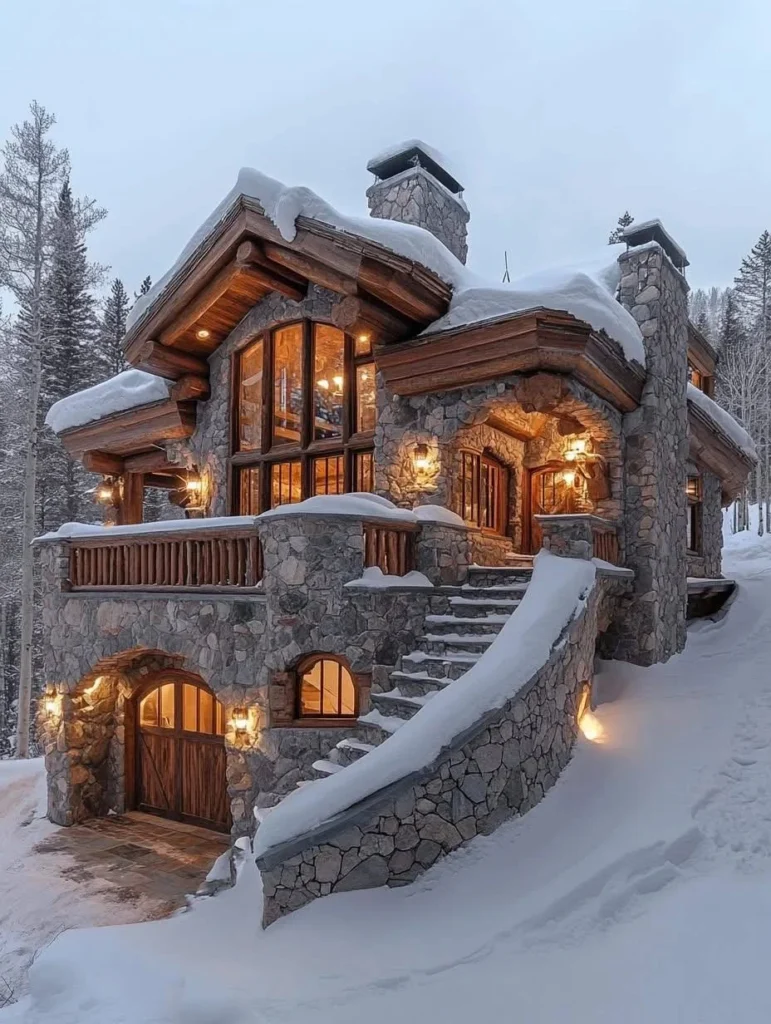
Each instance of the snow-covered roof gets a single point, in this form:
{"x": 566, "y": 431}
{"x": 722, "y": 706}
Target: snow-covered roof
{"x": 586, "y": 290}
{"x": 554, "y": 597}
{"x": 126, "y": 390}
{"x": 724, "y": 420}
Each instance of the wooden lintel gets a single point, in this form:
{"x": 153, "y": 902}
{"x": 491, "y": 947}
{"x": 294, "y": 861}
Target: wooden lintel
{"x": 102, "y": 462}
{"x": 505, "y": 427}
{"x": 164, "y": 481}
{"x": 312, "y": 270}
{"x": 168, "y": 362}
{"x": 190, "y": 388}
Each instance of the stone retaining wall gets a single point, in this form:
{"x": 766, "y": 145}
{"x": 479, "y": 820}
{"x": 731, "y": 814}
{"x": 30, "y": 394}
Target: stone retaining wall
{"x": 501, "y": 767}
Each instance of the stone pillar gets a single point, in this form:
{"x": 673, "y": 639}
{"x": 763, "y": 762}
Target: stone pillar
{"x": 651, "y": 624}
{"x": 443, "y": 553}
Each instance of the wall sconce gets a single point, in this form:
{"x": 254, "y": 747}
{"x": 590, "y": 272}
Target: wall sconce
{"x": 51, "y": 703}
{"x": 577, "y": 450}
{"x": 420, "y": 458}
{"x": 240, "y": 720}
{"x": 108, "y": 491}
{"x": 693, "y": 488}
{"x": 569, "y": 477}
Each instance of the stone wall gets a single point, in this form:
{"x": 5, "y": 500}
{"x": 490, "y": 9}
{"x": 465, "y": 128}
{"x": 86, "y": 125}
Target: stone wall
{"x": 416, "y": 197}
{"x": 501, "y": 767}
{"x": 708, "y": 564}
{"x": 244, "y": 647}
{"x": 650, "y": 626}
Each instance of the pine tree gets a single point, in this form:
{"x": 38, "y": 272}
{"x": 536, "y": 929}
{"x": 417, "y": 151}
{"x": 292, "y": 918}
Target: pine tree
{"x": 70, "y": 328}
{"x": 112, "y": 328}
{"x": 33, "y": 169}
{"x": 617, "y": 234}
{"x": 144, "y": 288}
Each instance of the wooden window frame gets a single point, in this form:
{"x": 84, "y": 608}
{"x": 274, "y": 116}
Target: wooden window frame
{"x": 321, "y": 720}
{"x": 307, "y": 450}
{"x": 478, "y": 460}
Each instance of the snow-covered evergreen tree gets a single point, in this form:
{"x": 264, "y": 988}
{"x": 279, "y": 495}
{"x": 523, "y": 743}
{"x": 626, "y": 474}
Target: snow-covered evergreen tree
{"x": 109, "y": 358}
{"x": 617, "y": 234}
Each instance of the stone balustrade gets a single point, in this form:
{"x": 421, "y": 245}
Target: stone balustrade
{"x": 580, "y": 536}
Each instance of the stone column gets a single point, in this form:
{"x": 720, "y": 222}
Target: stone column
{"x": 651, "y": 625}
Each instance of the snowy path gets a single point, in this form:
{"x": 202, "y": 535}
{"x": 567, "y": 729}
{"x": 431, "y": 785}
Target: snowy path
{"x": 637, "y": 891}
{"x": 42, "y": 894}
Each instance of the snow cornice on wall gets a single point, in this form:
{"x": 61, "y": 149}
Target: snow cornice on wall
{"x": 718, "y": 443}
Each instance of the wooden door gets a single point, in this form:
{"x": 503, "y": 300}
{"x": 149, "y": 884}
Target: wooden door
{"x": 547, "y": 494}
{"x": 180, "y": 753}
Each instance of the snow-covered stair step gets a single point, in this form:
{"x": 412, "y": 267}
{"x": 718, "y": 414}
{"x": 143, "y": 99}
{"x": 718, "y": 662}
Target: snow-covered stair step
{"x": 375, "y": 727}
{"x": 324, "y": 767}
{"x": 483, "y": 576}
{"x": 457, "y": 643}
{"x": 499, "y": 590}
{"x": 454, "y": 624}
{"x": 484, "y": 605}
{"x": 394, "y": 702}
{"x": 347, "y": 751}
{"x": 439, "y": 666}
{"x": 418, "y": 684}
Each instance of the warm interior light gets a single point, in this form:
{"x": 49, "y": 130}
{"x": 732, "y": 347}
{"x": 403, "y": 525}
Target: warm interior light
{"x": 240, "y": 719}
{"x": 94, "y": 686}
{"x": 193, "y": 484}
{"x": 338, "y": 382}
{"x": 363, "y": 338}
{"x": 323, "y": 383}
{"x": 579, "y": 446}
{"x": 591, "y": 727}
{"x": 203, "y": 334}
{"x": 105, "y": 494}
{"x": 576, "y": 450}
{"x": 52, "y": 705}
{"x": 569, "y": 477}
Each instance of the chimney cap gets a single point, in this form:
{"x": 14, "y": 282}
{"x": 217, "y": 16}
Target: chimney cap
{"x": 654, "y": 231}
{"x": 414, "y": 153}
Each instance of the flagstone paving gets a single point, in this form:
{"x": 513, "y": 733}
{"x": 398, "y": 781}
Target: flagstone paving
{"x": 139, "y": 857}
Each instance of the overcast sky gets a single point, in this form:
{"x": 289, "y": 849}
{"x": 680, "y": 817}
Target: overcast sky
{"x": 557, "y": 114}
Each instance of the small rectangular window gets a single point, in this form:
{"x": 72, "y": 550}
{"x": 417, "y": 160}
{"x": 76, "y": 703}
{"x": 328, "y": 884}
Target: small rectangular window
{"x": 285, "y": 483}
{"x": 205, "y": 712}
{"x": 249, "y": 491}
{"x": 365, "y": 397}
{"x": 362, "y": 343}
{"x": 693, "y": 522}
{"x": 364, "y": 472}
{"x": 328, "y": 475}
{"x": 328, "y": 381}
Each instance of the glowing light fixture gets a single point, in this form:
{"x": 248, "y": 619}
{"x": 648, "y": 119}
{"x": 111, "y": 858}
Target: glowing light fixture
{"x": 569, "y": 477}
{"x": 420, "y": 457}
{"x": 52, "y": 705}
{"x": 577, "y": 450}
{"x": 323, "y": 384}
{"x": 240, "y": 719}
{"x": 203, "y": 334}
{"x": 107, "y": 492}
{"x": 363, "y": 338}
{"x": 194, "y": 484}
{"x": 338, "y": 381}
{"x": 589, "y": 723}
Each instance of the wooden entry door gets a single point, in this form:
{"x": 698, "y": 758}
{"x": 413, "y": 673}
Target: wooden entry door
{"x": 548, "y": 494}
{"x": 180, "y": 752}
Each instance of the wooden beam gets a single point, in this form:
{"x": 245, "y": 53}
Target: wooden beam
{"x": 102, "y": 462}
{"x": 199, "y": 305}
{"x": 135, "y": 430}
{"x": 168, "y": 362}
{"x": 250, "y": 256}
{"x": 130, "y": 510}
{"x": 313, "y": 270}
{"x": 398, "y": 291}
{"x": 164, "y": 481}
{"x": 150, "y": 462}
{"x": 498, "y": 422}
{"x": 359, "y": 315}
{"x": 190, "y": 388}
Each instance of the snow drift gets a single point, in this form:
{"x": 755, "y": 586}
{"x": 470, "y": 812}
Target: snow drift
{"x": 126, "y": 390}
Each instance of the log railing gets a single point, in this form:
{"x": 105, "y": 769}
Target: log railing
{"x": 605, "y": 543}
{"x": 390, "y": 547}
{"x": 217, "y": 560}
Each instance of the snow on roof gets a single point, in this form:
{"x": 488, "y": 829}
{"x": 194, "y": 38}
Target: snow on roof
{"x": 126, "y": 390}
{"x": 587, "y": 291}
{"x": 385, "y": 163}
{"x": 556, "y": 594}
{"x": 723, "y": 419}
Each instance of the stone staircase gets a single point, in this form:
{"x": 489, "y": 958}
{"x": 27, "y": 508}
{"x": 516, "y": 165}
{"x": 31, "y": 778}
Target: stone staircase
{"x": 472, "y": 616}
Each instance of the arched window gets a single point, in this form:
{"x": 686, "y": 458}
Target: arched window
{"x": 182, "y": 706}
{"x": 325, "y": 689}
{"x": 304, "y": 416}
{"x": 484, "y": 484}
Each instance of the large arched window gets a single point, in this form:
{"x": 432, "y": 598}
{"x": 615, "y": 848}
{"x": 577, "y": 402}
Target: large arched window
{"x": 325, "y": 689}
{"x": 304, "y": 416}
{"x": 484, "y": 484}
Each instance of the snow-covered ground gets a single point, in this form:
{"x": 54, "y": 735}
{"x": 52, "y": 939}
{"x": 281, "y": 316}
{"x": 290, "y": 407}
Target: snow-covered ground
{"x": 42, "y": 893}
{"x": 638, "y": 891}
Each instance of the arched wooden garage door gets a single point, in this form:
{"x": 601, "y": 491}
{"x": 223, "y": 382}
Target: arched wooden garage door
{"x": 179, "y": 752}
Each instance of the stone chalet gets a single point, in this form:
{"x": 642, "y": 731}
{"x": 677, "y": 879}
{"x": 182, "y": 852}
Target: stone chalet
{"x": 369, "y": 446}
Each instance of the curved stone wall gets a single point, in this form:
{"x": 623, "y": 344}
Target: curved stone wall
{"x": 499, "y": 768}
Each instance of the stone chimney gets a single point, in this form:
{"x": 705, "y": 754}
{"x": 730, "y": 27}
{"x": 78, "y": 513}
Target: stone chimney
{"x": 414, "y": 186}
